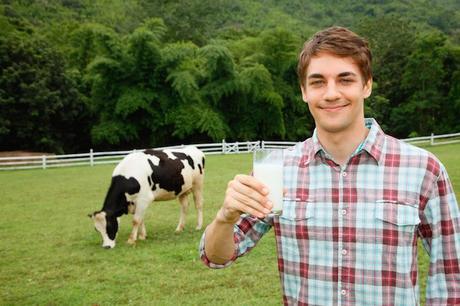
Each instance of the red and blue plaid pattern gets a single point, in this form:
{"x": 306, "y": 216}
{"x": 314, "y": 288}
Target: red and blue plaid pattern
{"x": 348, "y": 236}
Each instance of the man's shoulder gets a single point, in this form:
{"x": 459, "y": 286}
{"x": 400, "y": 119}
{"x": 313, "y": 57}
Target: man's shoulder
{"x": 394, "y": 145}
{"x": 410, "y": 155}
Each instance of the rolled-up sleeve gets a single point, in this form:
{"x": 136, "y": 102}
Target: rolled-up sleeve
{"x": 246, "y": 233}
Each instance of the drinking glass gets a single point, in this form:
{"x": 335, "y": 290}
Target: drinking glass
{"x": 268, "y": 168}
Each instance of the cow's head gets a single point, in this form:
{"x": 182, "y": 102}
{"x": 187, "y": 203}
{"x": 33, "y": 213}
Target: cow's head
{"x": 107, "y": 225}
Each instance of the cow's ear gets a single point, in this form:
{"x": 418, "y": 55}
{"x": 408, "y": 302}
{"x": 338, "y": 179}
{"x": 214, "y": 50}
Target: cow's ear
{"x": 90, "y": 216}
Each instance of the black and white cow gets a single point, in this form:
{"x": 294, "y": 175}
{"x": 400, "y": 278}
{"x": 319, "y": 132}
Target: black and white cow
{"x": 152, "y": 175}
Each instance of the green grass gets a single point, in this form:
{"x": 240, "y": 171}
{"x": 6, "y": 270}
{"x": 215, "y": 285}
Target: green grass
{"x": 51, "y": 255}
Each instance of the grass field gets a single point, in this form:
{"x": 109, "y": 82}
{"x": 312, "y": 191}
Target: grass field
{"x": 51, "y": 255}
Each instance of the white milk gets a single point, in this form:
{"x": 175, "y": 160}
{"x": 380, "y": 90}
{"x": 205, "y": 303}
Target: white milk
{"x": 271, "y": 174}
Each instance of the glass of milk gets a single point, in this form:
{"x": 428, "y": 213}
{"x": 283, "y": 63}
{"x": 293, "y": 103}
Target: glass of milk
{"x": 268, "y": 168}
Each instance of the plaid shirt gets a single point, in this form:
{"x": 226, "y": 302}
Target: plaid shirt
{"x": 348, "y": 236}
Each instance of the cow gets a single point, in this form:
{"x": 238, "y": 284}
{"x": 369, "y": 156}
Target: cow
{"x": 147, "y": 176}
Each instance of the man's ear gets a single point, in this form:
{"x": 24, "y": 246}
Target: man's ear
{"x": 368, "y": 89}
{"x": 304, "y": 93}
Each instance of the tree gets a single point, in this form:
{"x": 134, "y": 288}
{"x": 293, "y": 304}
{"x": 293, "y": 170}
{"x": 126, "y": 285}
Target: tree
{"x": 390, "y": 49}
{"x": 422, "y": 80}
{"x": 40, "y": 106}
{"x": 123, "y": 86}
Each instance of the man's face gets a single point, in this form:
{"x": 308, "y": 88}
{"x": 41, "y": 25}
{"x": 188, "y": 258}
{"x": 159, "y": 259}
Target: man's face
{"x": 335, "y": 93}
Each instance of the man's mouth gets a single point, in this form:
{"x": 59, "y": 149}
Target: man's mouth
{"x": 334, "y": 108}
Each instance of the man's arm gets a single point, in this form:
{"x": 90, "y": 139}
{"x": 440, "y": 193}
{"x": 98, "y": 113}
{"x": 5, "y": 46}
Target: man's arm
{"x": 441, "y": 237}
{"x": 244, "y": 194}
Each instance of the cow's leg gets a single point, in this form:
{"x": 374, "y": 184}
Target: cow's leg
{"x": 198, "y": 199}
{"x": 183, "y": 200}
{"x": 138, "y": 220}
{"x": 142, "y": 232}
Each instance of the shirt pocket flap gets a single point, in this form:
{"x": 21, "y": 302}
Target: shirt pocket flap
{"x": 296, "y": 210}
{"x": 397, "y": 213}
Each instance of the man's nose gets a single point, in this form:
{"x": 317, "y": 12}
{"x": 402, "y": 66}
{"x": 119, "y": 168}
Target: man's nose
{"x": 332, "y": 92}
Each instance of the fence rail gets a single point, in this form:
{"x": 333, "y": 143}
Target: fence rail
{"x": 434, "y": 139}
{"x": 96, "y": 158}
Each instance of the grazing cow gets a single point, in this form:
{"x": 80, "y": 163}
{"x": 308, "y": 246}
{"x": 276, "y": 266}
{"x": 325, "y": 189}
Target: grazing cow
{"x": 152, "y": 175}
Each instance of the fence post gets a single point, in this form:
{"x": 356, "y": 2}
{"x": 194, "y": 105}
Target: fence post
{"x": 43, "y": 161}
{"x": 91, "y": 157}
{"x": 432, "y": 139}
{"x": 263, "y": 144}
{"x": 223, "y": 146}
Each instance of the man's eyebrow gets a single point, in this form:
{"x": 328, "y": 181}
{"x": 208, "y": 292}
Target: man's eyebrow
{"x": 346, "y": 74}
{"x": 315, "y": 76}
{"x": 340, "y": 75}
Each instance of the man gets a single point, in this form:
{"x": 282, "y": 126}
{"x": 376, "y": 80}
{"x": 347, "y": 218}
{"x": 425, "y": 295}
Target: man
{"x": 356, "y": 199}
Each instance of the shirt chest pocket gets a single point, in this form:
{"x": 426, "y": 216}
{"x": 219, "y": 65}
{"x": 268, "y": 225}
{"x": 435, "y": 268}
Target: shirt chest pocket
{"x": 295, "y": 210}
{"x": 296, "y": 218}
{"x": 293, "y": 231}
{"x": 396, "y": 221}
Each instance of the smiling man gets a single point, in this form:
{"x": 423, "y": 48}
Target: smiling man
{"x": 357, "y": 200}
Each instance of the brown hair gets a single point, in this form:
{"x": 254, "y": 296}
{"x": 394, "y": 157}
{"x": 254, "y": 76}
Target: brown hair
{"x": 338, "y": 41}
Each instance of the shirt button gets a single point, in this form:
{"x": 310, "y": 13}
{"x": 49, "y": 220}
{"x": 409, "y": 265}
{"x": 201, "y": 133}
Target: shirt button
{"x": 344, "y": 211}
{"x": 343, "y": 292}
{"x": 344, "y": 252}
{"x": 344, "y": 174}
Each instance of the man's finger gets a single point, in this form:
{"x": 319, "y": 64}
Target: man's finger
{"x": 252, "y": 182}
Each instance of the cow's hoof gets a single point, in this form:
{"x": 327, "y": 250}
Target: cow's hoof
{"x": 179, "y": 230}
{"x": 142, "y": 237}
{"x": 198, "y": 228}
{"x": 131, "y": 242}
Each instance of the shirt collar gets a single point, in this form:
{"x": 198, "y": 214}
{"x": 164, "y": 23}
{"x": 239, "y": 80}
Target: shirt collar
{"x": 372, "y": 144}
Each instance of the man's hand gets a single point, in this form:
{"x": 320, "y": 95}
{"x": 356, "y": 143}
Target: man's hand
{"x": 244, "y": 194}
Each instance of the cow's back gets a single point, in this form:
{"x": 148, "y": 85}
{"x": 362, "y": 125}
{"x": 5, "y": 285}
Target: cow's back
{"x": 133, "y": 165}
{"x": 176, "y": 171}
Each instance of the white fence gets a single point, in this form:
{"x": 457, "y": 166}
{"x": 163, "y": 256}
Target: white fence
{"x": 435, "y": 139}
{"x": 96, "y": 158}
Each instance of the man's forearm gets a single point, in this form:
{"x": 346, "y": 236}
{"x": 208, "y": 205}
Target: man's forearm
{"x": 219, "y": 244}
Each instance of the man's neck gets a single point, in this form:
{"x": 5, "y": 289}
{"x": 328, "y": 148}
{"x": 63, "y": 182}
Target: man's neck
{"x": 341, "y": 145}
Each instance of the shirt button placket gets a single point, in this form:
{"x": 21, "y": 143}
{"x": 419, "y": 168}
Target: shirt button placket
{"x": 343, "y": 216}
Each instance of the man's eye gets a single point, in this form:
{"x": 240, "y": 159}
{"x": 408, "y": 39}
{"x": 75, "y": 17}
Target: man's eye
{"x": 346, "y": 81}
{"x": 316, "y": 83}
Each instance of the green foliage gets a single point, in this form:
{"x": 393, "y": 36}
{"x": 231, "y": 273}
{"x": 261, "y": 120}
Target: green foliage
{"x": 193, "y": 118}
{"x": 153, "y": 73}
{"x": 423, "y": 77}
{"x": 39, "y": 105}
{"x": 378, "y": 107}
{"x": 91, "y": 40}
{"x": 220, "y": 77}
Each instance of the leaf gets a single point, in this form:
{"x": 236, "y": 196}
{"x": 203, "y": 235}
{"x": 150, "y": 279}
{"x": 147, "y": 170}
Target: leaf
{"x": 132, "y": 100}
